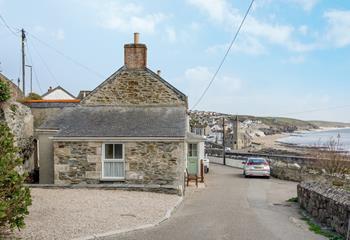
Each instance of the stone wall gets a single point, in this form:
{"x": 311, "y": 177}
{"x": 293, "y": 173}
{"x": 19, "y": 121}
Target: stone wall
{"x": 157, "y": 163}
{"x": 20, "y": 120}
{"x": 328, "y": 204}
{"x": 134, "y": 87}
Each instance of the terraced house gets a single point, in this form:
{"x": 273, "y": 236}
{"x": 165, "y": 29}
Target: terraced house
{"x": 132, "y": 129}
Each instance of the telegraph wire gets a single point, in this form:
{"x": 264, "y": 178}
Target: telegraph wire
{"x": 66, "y": 56}
{"x": 4, "y": 22}
{"x": 45, "y": 64}
{"x": 224, "y": 58}
{"x": 7, "y": 26}
{"x": 35, "y": 74}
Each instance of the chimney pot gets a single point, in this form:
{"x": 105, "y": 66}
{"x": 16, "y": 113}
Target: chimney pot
{"x": 158, "y": 72}
{"x": 50, "y": 88}
{"x": 136, "y": 38}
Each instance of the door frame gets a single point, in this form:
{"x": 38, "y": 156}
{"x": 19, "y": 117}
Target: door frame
{"x": 197, "y": 157}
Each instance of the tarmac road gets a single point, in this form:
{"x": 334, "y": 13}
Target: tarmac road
{"x": 232, "y": 207}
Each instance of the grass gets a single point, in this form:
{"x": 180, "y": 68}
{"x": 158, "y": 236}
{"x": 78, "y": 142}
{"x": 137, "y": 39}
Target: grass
{"x": 293, "y": 200}
{"x": 318, "y": 230}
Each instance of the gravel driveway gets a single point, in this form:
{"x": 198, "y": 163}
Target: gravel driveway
{"x": 73, "y": 213}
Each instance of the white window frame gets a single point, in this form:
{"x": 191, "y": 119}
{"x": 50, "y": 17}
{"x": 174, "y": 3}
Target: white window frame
{"x": 112, "y": 160}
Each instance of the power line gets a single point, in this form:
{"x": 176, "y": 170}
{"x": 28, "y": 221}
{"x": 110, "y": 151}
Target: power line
{"x": 45, "y": 64}
{"x": 224, "y": 58}
{"x": 66, "y": 56}
{"x": 7, "y": 26}
{"x": 35, "y": 74}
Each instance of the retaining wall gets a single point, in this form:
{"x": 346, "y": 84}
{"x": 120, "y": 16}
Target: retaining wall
{"x": 328, "y": 204}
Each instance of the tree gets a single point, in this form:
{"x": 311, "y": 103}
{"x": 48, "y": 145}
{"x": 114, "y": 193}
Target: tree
{"x": 14, "y": 197}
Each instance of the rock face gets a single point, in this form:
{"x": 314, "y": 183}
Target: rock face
{"x": 20, "y": 120}
{"x": 81, "y": 162}
{"x": 328, "y": 204}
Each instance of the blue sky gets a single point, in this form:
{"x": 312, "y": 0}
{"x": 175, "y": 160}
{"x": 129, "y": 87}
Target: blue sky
{"x": 291, "y": 57}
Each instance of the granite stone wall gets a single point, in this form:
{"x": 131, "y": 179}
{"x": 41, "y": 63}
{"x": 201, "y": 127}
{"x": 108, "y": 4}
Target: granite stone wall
{"x": 154, "y": 163}
{"x": 328, "y": 204}
{"x": 134, "y": 87}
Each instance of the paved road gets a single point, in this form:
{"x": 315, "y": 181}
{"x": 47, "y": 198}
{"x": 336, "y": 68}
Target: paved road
{"x": 232, "y": 207}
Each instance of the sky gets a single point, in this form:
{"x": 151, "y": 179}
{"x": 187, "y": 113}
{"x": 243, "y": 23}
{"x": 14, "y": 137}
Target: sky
{"x": 291, "y": 58}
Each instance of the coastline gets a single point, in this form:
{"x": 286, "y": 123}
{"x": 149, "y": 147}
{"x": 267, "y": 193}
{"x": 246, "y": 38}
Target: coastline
{"x": 273, "y": 143}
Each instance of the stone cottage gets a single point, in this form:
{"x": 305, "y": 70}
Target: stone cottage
{"x": 132, "y": 129}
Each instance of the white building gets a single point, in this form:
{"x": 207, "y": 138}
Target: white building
{"x": 57, "y": 93}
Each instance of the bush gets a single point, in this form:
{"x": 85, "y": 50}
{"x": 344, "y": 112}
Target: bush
{"x": 33, "y": 96}
{"x": 14, "y": 197}
{"x": 5, "y": 91}
{"x": 331, "y": 158}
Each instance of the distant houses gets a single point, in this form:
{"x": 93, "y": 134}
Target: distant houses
{"x": 132, "y": 129}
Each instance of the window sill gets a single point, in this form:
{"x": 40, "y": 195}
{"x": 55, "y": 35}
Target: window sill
{"x": 112, "y": 179}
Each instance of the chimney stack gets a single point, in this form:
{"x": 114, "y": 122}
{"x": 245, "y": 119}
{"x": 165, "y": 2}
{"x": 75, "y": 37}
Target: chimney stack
{"x": 135, "y": 54}
{"x": 158, "y": 72}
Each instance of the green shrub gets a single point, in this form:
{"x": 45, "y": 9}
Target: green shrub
{"x": 33, "y": 96}
{"x": 14, "y": 197}
{"x": 5, "y": 91}
{"x": 13, "y": 108}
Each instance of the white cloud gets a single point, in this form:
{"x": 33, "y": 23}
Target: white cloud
{"x": 58, "y": 34}
{"x": 254, "y": 30}
{"x": 303, "y": 29}
{"x": 126, "y": 17}
{"x": 218, "y": 10}
{"x": 338, "y": 31}
{"x": 171, "y": 34}
{"x": 39, "y": 28}
{"x": 199, "y": 76}
{"x": 307, "y": 5}
{"x": 249, "y": 45}
{"x": 296, "y": 59}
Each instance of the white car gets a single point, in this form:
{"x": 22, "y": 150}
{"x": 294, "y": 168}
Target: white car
{"x": 256, "y": 167}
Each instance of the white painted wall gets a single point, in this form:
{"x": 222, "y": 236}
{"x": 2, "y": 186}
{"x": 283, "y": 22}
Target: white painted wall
{"x": 58, "y": 94}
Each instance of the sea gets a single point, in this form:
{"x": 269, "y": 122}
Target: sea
{"x": 319, "y": 138}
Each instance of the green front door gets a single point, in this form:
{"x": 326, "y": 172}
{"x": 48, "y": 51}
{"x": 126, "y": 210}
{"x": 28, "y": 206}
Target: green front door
{"x": 192, "y": 158}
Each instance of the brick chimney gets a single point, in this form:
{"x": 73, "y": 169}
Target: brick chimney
{"x": 135, "y": 54}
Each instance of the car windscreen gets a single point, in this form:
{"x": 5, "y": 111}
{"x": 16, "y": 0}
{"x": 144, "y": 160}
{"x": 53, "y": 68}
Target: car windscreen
{"x": 256, "y": 161}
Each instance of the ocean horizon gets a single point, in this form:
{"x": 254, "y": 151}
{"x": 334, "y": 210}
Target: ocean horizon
{"x": 319, "y": 138}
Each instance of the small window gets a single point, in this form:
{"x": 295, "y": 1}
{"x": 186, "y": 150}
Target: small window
{"x": 113, "y": 162}
{"x": 192, "y": 150}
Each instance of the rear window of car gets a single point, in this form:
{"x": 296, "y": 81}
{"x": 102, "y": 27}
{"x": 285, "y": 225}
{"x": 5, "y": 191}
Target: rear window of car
{"x": 257, "y": 161}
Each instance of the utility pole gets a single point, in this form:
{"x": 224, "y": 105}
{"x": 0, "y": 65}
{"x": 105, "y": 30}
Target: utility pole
{"x": 23, "y": 61}
{"x": 31, "y": 77}
{"x": 223, "y": 140}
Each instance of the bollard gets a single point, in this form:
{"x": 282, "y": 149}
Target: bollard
{"x": 202, "y": 171}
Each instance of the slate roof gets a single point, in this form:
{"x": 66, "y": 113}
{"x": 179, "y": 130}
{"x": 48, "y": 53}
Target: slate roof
{"x": 110, "y": 121}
